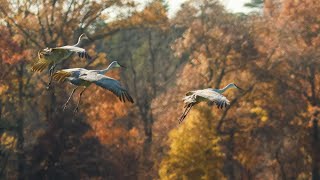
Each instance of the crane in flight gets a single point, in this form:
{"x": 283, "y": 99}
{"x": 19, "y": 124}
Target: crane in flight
{"x": 50, "y": 57}
{"x": 81, "y": 77}
{"x": 212, "y": 96}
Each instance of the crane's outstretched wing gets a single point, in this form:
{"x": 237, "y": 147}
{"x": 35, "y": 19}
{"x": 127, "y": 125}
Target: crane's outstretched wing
{"x": 80, "y": 51}
{"x": 108, "y": 83}
{"x": 220, "y": 100}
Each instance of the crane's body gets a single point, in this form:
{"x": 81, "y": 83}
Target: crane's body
{"x": 206, "y": 95}
{"x": 54, "y": 55}
{"x": 81, "y": 77}
{"x": 209, "y": 95}
{"x": 50, "y": 57}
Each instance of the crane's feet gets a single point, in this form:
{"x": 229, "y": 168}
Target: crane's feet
{"x": 76, "y": 110}
{"x": 48, "y": 86}
{"x": 64, "y": 107}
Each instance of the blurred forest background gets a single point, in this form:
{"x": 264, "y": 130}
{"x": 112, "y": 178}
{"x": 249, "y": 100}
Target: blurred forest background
{"x": 270, "y": 131}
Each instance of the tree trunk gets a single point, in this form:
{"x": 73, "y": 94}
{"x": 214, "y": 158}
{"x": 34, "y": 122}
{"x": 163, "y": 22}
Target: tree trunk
{"x": 229, "y": 168}
{"x": 0, "y": 109}
{"x": 148, "y": 123}
{"x": 20, "y": 125}
{"x": 281, "y": 166}
{"x": 147, "y": 118}
{"x": 50, "y": 109}
{"x": 315, "y": 149}
{"x": 21, "y": 156}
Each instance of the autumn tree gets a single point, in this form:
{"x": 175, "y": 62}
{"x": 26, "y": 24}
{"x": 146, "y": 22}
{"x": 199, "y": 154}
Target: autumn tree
{"x": 194, "y": 152}
{"x": 220, "y": 48}
{"x": 151, "y": 68}
{"x": 13, "y": 62}
{"x": 288, "y": 37}
{"x": 33, "y": 26}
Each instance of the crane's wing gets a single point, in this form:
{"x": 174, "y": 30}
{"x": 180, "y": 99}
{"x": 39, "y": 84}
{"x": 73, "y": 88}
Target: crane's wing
{"x": 40, "y": 65}
{"x": 220, "y": 100}
{"x": 65, "y": 73}
{"x": 108, "y": 83}
{"x": 80, "y": 51}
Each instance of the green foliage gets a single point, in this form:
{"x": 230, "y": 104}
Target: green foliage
{"x": 194, "y": 149}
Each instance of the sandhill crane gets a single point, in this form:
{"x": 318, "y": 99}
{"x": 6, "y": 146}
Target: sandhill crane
{"x": 206, "y": 95}
{"x": 84, "y": 78}
{"x": 50, "y": 57}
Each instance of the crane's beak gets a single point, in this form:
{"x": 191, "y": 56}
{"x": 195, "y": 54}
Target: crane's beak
{"x": 239, "y": 88}
{"x": 90, "y": 39}
{"x": 122, "y": 66}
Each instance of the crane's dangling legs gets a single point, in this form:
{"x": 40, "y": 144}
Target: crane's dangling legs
{"x": 51, "y": 70}
{"x": 77, "y": 107}
{"x": 65, "y": 104}
{"x": 186, "y": 111}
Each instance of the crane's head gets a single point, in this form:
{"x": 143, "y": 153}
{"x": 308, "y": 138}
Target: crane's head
{"x": 115, "y": 64}
{"x": 81, "y": 39}
{"x": 83, "y": 36}
{"x": 232, "y": 85}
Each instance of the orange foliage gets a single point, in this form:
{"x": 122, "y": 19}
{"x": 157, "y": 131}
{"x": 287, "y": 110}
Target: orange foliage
{"x": 11, "y": 50}
{"x": 108, "y": 117}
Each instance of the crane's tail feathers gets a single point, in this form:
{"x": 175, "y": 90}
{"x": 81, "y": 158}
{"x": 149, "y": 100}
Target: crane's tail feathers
{"x": 185, "y": 112}
{"x": 60, "y": 76}
{"x": 39, "y": 66}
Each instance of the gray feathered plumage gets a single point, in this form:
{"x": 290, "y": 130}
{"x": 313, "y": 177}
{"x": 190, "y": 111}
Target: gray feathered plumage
{"x": 84, "y": 77}
{"x": 209, "y": 95}
{"x": 109, "y": 84}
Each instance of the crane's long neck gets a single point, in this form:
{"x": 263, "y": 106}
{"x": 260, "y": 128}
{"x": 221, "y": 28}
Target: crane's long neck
{"x": 78, "y": 44}
{"x": 103, "y": 71}
{"x": 224, "y": 89}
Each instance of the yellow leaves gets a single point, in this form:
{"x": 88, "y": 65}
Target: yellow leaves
{"x": 264, "y": 118}
{"x": 3, "y": 89}
{"x": 261, "y": 113}
{"x": 194, "y": 149}
{"x": 8, "y": 141}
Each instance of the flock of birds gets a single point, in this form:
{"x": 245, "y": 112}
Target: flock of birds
{"x": 80, "y": 77}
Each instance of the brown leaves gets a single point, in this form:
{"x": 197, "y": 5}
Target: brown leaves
{"x": 154, "y": 15}
{"x": 107, "y": 116}
{"x": 11, "y": 50}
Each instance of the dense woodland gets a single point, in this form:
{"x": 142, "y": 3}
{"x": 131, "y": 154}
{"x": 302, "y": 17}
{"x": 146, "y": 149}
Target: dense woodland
{"x": 270, "y": 130}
